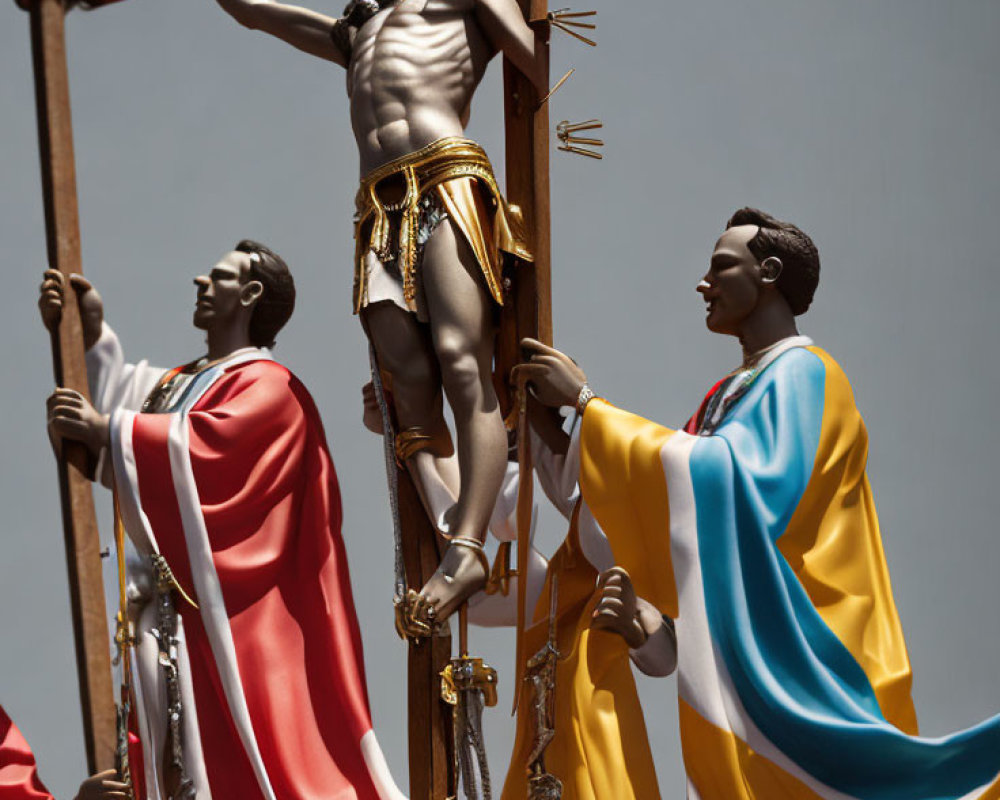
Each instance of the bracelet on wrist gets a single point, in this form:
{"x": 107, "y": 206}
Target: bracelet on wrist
{"x": 585, "y": 396}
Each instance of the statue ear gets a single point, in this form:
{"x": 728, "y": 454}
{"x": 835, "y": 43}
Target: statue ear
{"x": 251, "y": 293}
{"x": 770, "y": 269}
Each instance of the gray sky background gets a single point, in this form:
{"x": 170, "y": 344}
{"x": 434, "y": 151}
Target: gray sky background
{"x": 874, "y": 126}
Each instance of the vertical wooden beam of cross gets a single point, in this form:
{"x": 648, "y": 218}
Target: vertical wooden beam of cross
{"x": 428, "y": 716}
{"x": 527, "y": 151}
{"x": 55, "y": 137}
{"x": 526, "y": 313}
{"x": 527, "y": 136}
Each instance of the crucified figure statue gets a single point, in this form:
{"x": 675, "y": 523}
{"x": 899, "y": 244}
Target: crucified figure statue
{"x": 431, "y": 230}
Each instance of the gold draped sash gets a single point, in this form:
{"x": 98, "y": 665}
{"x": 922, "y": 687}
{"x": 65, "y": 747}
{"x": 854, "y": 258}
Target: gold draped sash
{"x": 454, "y": 168}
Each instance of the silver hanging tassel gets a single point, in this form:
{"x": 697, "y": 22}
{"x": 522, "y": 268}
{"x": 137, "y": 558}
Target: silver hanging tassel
{"x": 122, "y": 765}
{"x": 124, "y": 641}
{"x": 392, "y": 477}
{"x": 541, "y": 674}
{"x": 178, "y": 784}
{"x": 470, "y": 685}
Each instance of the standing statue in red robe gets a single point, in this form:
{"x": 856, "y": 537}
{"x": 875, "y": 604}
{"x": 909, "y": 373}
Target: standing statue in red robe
{"x": 246, "y": 674}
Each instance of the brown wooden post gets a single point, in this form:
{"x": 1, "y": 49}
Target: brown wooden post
{"x": 429, "y": 717}
{"x": 527, "y": 312}
{"x": 90, "y": 627}
{"x": 527, "y": 127}
{"x": 530, "y": 313}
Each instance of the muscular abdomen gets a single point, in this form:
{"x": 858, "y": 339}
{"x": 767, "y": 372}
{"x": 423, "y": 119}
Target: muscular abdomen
{"x": 413, "y": 72}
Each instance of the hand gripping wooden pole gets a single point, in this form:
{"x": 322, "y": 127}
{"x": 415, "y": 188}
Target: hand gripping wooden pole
{"x": 55, "y": 138}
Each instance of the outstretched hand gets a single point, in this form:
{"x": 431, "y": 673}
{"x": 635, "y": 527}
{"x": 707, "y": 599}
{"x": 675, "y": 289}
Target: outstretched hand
{"x": 50, "y": 304}
{"x": 71, "y": 416}
{"x": 553, "y": 377}
{"x": 103, "y": 786}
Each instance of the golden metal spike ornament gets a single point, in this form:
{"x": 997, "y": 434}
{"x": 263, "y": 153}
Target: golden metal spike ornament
{"x": 567, "y": 132}
{"x": 556, "y": 88}
{"x": 566, "y": 20}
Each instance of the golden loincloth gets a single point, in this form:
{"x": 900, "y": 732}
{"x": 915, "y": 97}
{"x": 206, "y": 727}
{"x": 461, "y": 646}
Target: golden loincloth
{"x": 458, "y": 174}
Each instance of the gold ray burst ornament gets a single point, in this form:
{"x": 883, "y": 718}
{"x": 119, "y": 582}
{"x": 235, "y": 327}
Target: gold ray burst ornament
{"x": 566, "y": 20}
{"x": 567, "y": 132}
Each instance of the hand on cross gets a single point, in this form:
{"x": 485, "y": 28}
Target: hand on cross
{"x": 50, "y": 304}
{"x": 71, "y": 416}
{"x": 553, "y": 377}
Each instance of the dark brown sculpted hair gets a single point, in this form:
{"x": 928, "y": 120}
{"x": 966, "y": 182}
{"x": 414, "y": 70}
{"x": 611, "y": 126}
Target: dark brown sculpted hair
{"x": 799, "y": 257}
{"x": 277, "y": 302}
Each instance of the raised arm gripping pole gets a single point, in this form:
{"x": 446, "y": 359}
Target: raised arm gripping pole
{"x": 83, "y": 559}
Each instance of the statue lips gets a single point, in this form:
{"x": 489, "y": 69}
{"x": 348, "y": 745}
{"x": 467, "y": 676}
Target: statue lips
{"x": 710, "y": 305}
{"x": 703, "y": 288}
{"x": 202, "y": 311}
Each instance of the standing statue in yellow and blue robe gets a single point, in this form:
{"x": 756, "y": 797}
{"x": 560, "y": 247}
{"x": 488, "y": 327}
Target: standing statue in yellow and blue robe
{"x": 755, "y": 528}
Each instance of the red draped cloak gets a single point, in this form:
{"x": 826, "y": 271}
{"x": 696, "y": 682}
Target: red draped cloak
{"x": 271, "y": 506}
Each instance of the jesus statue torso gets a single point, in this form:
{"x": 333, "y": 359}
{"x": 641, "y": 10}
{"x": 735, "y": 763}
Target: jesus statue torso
{"x": 414, "y": 68}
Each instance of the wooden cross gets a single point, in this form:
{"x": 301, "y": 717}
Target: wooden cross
{"x": 83, "y": 559}
{"x": 528, "y": 312}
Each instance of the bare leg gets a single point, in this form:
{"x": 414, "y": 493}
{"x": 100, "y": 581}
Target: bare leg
{"x": 404, "y": 350}
{"x": 462, "y": 333}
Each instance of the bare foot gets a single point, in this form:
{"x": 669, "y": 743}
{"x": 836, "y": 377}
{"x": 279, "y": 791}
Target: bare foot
{"x": 463, "y": 572}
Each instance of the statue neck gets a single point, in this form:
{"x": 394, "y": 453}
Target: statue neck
{"x": 766, "y": 327}
{"x": 226, "y": 341}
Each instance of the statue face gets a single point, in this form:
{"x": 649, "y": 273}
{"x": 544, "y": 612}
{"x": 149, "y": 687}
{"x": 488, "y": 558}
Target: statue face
{"x": 732, "y": 286}
{"x": 220, "y": 300}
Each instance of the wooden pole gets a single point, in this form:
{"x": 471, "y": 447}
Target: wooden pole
{"x": 428, "y": 716}
{"x": 55, "y": 138}
{"x": 527, "y": 312}
{"x": 530, "y": 313}
{"x": 527, "y": 129}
